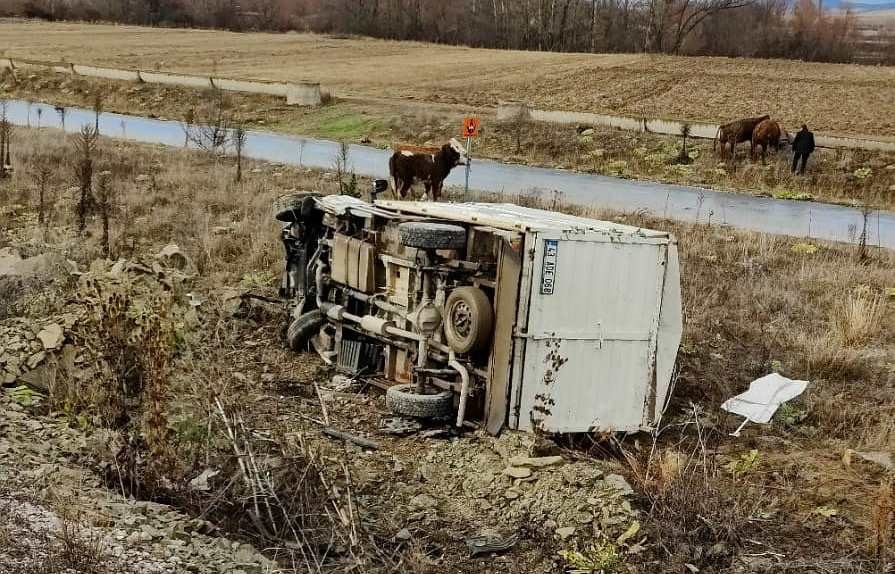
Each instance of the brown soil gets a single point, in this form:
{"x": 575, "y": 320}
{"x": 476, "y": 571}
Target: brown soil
{"x": 829, "y": 97}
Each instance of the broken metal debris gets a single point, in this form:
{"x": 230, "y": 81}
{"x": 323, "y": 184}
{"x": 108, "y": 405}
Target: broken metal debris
{"x": 488, "y": 541}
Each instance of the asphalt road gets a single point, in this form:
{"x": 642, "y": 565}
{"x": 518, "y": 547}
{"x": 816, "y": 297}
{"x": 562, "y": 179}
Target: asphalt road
{"x": 683, "y": 203}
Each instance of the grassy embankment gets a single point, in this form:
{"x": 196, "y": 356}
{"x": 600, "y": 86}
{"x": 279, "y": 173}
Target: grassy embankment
{"x": 753, "y": 303}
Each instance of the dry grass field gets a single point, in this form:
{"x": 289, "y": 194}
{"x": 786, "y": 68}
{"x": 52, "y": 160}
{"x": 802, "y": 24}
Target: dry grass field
{"x": 791, "y": 496}
{"x": 830, "y": 97}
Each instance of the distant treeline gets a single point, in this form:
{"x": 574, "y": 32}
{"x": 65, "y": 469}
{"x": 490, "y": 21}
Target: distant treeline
{"x": 798, "y": 29}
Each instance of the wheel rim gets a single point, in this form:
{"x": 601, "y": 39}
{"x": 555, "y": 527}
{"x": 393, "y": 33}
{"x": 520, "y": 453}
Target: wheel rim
{"x": 461, "y": 319}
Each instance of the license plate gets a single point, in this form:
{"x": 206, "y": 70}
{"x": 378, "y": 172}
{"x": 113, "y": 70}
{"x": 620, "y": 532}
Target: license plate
{"x": 548, "y": 269}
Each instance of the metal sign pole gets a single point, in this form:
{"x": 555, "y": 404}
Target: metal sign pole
{"x": 468, "y": 161}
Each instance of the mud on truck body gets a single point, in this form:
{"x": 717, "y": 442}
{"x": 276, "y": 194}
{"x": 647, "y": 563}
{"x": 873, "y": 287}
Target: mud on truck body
{"x": 493, "y": 313}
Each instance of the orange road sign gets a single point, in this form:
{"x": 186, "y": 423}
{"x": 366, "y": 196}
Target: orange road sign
{"x": 471, "y": 127}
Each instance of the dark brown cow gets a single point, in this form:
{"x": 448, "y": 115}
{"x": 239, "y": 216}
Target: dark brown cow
{"x": 405, "y": 167}
{"x": 767, "y": 134}
{"x": 736, "y": 132}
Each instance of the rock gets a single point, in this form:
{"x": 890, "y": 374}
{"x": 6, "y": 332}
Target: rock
{"x": 517, "y": 471}
{"x": 35, "y": 359}
{"x": 201, "y": 481}
{"x": 536, "y": 462}
{"x": 422, "y": 501}
{"x": 619, "y": 483}
{"x": 51, "y": 336}
{"x": 543, "y": 447}
{"x": 565, "y": 532}
{"x": 172, "y": 256}
{"x": 403, "y": 534}
{"x": 882, "y": 458}
{"x": 9, "y": 259}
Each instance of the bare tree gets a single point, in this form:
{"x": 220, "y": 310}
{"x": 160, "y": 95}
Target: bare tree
{"x": 42, "y": 177}
{"x": 85, "y": 146}
{"x": 106, "y": 204}
{"x": 98, "y": 101}
{"x": 61, "y": 111}
{"x": 239, "y": 141}
{"x": 342, "y": 167}
{"x": 210, "y": 128}
{"x": 683, "y": 157}
{"x": 5, "y": 142}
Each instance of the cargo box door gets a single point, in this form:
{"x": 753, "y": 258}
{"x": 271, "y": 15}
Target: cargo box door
{"x": 590, "y": 339}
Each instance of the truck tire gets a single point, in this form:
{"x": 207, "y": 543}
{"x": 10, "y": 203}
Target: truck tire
{"x": 468, "y": 320}
{"x": 300, "y": 331}
{"x": 402, "y": 400}
{"x": 426, "y": 235}
{"x": 294, "y": 206}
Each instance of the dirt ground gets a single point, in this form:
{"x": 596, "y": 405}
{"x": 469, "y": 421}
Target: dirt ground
{"x": 797, "y": 495}
{"x": 833, "y": 98}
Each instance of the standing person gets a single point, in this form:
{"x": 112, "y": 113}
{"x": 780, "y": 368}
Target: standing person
{"x": 802, "y": 148}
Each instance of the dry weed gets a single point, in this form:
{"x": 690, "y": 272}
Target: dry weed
{"x": 857, "y": 317}
{"x": 884, "y": 521}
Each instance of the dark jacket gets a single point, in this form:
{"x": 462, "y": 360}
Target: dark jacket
{"x": 804, "y": 142}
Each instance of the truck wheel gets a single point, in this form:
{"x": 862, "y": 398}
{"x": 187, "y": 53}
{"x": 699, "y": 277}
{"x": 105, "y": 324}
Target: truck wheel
{"x": 294, "y": 206}
{"x": 468, "y": 320}
{"x": 426, "y": 235}
{"x": 302, "y": 329}
{"x": 402, "y": 400}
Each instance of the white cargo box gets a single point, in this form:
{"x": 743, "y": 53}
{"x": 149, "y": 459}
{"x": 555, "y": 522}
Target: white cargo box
{"x": 593, "y": 319}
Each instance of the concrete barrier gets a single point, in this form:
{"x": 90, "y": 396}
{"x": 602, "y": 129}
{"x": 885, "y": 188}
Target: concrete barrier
{"x": 512, "y": 110}
{"x": 107, "y": 73}
{"x": 303, "y": 95}
{"x": 175, "y": 80}
{"x": 509, "y": 110}
{"x": 249, "y": 87}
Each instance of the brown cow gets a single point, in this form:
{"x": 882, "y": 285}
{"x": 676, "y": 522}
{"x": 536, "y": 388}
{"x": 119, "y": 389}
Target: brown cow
{"x": 736, "y": 132}
{"x": 767, "y": 134}
{"x": 405, "y": 167}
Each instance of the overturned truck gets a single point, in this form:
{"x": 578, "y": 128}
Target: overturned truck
{"x": 490, "y": 313}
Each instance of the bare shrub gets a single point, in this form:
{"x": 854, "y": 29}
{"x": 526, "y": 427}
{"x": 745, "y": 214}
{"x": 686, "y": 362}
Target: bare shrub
{"x": 85, "y": 147}
{"x": 284, "y": 494}
{"x": 130, "y": 324}
{"x": 106, "y": 203}
{"x": 345, "y": 176}
{"x": 695, "y": 515}
{"x": 43, "y": 175}
{"x": 208, "y": 127}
